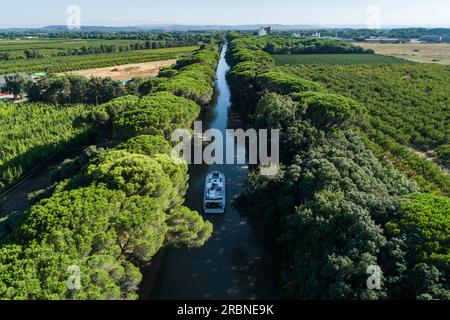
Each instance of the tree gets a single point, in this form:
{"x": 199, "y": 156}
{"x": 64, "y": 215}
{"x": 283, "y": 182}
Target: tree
{"x": 443, "y": 153}
{"x": 157, "y": 114}
{"x": 101, "y": 90}
{"x": 134, "y": 174}
{"x": 187, "y": 228}
{"x": 147, "y": 145}
{"x": 284, "y": 83}
{"x": 328, "y": 111}
{"x": 33, "y": 54}
{"x": 16, "y": 84}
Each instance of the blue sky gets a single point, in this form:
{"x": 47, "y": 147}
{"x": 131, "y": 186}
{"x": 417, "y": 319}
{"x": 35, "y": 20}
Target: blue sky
{"x": 21, "y": 13}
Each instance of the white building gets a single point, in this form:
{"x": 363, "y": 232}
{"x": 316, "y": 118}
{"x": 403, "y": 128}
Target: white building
{"x": 264, "y": 31}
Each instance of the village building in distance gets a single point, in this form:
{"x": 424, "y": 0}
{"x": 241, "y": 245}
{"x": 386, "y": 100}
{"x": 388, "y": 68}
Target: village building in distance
{"x": 264, "y": 31}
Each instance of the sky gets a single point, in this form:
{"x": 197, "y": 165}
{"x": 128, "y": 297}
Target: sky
{"x": 385, "y": 13}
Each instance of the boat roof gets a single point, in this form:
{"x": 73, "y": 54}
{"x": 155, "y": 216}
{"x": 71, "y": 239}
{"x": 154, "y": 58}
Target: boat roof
{"x": 215, "y": 186}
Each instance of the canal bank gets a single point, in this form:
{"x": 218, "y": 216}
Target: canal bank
{"x": 235, "y": 263}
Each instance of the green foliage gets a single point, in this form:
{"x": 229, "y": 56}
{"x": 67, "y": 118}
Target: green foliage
{"x": 424, "y": 226}
{"x": 130, "y": 208}
{"x": 94, "y": 228}
{"x": 75, "y": 89}
{"x": 426, "y": 220}
{"x": 284, "y": 83}
{"x": 327, "y": 111}
{"x": 157, "y": 114}
{"x": 323, "y": 212}
{"x": 32, "y": 133}
{"x": 150, "y": 85}
{"x": 274, "y": 111}
{"x": 333, "y": 208}
{"x": 16, "y": 84}
{"x": 345, "y": 59}
{"x": 443, "y": 153}
{"x": 192, "y": 79}
{"x": 113, "y": 108}
{"x": 70, "y": 167}
{"x": 284, "y": 45}
{"x": 398, "y": 98}
{"x": 147, "y": 145}
{"x": 114, "y": 210}
{"x": 132, "y": 173}
{"x": 187, "y": 228}
{"x": 69, "y": 63}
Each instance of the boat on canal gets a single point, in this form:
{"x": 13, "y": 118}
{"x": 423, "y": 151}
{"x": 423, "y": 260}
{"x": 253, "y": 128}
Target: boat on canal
{"x": 215, "y": 196}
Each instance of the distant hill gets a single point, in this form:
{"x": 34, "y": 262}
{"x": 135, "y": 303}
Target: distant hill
{"x": 168, "y": 27}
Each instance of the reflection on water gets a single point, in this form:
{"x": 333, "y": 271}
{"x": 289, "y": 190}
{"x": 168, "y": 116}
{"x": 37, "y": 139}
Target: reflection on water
{"x": 233, "y": 264}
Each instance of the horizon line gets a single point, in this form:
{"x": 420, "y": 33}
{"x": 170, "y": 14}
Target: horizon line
{"x": 325, "y": 26}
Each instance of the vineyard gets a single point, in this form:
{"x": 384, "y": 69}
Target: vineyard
{"x": 18, "y": 48}
{"x": 398, "y": 98}
{"x": 294, "y": 59}
{"x": 70, "y": 63}
{"x": 30, "y": 134}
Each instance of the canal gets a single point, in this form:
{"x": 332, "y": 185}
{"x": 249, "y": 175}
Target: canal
{"x": 235, "y": 263}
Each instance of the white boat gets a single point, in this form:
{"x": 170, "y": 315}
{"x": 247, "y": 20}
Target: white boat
{"x": 215, "y": 196}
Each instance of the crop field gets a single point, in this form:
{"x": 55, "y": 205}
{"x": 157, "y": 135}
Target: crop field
{"x": 408, "y": 110}
{"x": 50, "y": 47}
{"x": 336, "y": 59}
{"x": 70, "y": 63}
{"x": 419, "y": 52}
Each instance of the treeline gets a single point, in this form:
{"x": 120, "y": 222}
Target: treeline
{"x": 110, "y": 211}
{"x": 361, "y": 34}
{"x": 75, "y": 89}
{"x": 190, "y": 78}
{"x": 28, "y": 54}
{"x": 313, "y": 46}
{"x": 289, "y": 45}
{"x": 204, "y": 37}
{"x": 147, "y": 45}
{"x": 335, "y": 212}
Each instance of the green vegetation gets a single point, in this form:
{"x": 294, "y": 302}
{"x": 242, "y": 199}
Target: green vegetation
{"x": 69, "y": 63}
{"x": 362, "y": 34}
{"x": 443, "y": 153}
{"x": 284, "y": 83}
{"x": 288, "y": 45}
{"x": 424, "y": 227}
{"x": 157, "y": 114}
{"x": 40, "y": 48}
{"x": 109, "y": 211}
{"x": 398, "y": 98}
{"x": 335, "y": 209}
{"x": 75, "y": 89}
{"x": 294, "y": 59}
{"x": 328, "y": 111}
{"x": 190, "y": 78}
{"x": 32, "y": 133}
{"x": 16, "y": 84}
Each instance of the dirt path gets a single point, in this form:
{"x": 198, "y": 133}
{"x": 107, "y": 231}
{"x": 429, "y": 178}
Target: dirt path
{"x": 126, "y": 71}
{"x": 418, "y": 52}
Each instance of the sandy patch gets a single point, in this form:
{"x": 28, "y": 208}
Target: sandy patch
{"x": 126, "y": 71}
{"x": 418, "y": 52}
